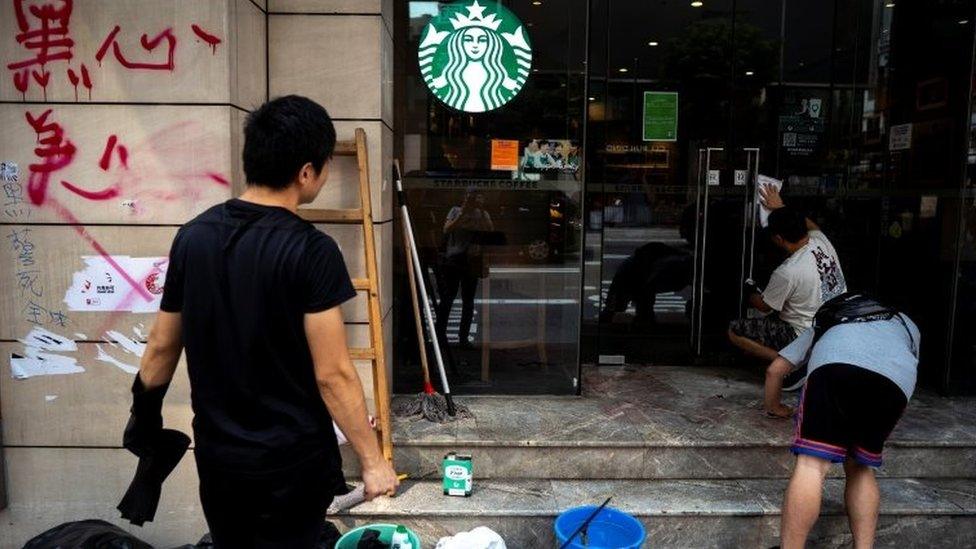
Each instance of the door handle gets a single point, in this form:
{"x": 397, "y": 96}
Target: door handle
{"x": 707, "y": 178}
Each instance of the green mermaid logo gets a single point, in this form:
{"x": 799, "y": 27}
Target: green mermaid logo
{"x": 474, "y": 62}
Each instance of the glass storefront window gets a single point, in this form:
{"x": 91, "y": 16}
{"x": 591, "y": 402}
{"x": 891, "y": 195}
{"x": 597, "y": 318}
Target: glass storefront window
{"x": 506, "y": 276}
{"x": 620, "y": 179}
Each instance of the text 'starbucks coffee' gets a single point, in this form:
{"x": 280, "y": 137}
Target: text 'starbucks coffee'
{"x": 458, "y": 475}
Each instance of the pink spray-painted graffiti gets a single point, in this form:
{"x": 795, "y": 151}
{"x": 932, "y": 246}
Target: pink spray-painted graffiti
{"x": 130, "y": 172}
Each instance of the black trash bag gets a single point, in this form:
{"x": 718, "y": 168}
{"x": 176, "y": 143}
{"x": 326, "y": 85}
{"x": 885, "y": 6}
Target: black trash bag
{"x": 86, "y": 534}
{"x": 328, "y": 537}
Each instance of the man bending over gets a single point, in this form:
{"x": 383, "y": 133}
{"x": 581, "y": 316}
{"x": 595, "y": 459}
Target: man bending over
{"x": 861, "y": 375}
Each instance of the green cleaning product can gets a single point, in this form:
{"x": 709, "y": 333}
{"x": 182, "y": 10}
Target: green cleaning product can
{"x": 458, "y": 475}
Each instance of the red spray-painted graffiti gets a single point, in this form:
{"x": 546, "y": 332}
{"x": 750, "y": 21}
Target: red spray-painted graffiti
{"x": 149, "y": 44}
{"x": 85, "y": 80}
{"x": 53, "y": 150}
{"x": 105, "y": 163}
{"x": 44, "y": 32}
{"x": 210, "y": 39}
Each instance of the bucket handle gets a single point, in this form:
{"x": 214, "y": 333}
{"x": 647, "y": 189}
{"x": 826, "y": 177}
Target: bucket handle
{"x": 586, "y": 524}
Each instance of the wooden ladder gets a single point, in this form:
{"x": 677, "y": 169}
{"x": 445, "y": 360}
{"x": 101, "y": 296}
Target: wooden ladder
{"x": 363, "y": 216}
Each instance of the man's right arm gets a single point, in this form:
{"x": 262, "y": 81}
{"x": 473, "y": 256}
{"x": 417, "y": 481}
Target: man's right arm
{"x": 342, "y": 393}
{"x": 772, "y": 200}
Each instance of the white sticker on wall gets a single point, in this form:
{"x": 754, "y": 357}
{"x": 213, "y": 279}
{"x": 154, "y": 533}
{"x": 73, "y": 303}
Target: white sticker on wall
{"x": 41, "y": 356}
{"x": 101, "y": 287}
{"x": 9, "y": 172}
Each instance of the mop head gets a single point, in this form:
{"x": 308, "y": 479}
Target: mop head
{"x": 430, "y": 406}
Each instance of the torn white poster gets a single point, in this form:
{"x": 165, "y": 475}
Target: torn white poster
{"x": 105, "y": 357}
{"x": 126, "y": 345}
{"x": 101, "y": 287}
{"x": 41, "y": 358}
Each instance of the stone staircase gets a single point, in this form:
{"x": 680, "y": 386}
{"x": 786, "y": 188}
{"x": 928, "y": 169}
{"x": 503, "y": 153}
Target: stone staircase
{"x": 686, "y": 450}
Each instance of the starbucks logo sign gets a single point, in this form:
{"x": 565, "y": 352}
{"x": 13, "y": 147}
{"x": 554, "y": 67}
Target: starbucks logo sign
{"x": 475, "y": 58}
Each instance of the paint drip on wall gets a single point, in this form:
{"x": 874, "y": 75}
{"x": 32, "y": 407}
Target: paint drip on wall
{"x": 101, "y": 287}
{"x": 42, "y": 356}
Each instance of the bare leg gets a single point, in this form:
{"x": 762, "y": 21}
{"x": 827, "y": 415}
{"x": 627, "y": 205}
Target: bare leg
{"x": 863, "y": 499}
{"x": 802, "y": 503}
{"x": 774, "y": 387}
{"x": 753, "y": 348}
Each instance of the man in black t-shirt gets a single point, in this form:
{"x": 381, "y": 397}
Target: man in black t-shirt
{"x": 252, "y": 293}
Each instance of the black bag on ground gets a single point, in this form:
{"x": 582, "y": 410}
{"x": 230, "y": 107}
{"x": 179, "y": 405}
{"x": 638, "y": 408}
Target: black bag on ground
{"x": 86, "y": 534}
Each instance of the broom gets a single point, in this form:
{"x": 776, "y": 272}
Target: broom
{"x": 428, "y": 404}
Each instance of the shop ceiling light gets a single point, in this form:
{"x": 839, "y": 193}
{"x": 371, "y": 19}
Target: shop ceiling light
{"x": 890, "y": 5}
{"x": 697, "y": 4}
{"x": 593, "y": 99}
{"x": 622, "y": 69}
{"x": 963, "y": 21}
{"x": 652, "y": 43}
{"x": 749, "y": 73}
{"x": 537, "y": 3}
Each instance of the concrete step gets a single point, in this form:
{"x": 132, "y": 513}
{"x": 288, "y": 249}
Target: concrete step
{"x": 666, "y": 423}
{"x": 678, "y": 513}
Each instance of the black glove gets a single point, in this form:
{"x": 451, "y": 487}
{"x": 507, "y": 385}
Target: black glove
{"x": 145, "y": 417}
{"x": 156, "y": 461}
{"x": 159, "y": 451}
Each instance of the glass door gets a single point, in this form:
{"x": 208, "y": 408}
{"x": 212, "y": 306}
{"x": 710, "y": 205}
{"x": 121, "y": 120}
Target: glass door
{"x": 665, "y": 216}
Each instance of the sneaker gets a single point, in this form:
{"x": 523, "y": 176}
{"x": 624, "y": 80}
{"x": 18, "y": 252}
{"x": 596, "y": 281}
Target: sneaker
{"x": 795, "y": 379}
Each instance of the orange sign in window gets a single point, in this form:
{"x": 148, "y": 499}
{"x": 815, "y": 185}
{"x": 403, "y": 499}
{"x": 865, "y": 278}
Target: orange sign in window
{"x": 504, "y": 154}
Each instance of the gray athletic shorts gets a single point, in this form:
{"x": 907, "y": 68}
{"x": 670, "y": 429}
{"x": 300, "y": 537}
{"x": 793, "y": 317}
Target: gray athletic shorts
{"x": 769, "y": 331}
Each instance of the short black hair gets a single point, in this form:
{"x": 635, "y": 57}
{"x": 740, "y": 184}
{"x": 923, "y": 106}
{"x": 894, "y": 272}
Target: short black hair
{"x": 282, "y": 136}
{"x": 788, "y": 223}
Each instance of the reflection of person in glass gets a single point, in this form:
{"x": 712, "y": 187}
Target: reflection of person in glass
{"x": 475, "y": 73}
{"x": 464, "y": 261}
{"x": 652, "y": 269}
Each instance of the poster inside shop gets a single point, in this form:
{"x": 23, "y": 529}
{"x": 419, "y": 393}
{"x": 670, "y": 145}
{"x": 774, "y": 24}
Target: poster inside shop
{"x": 802, "y": 122}
{"x": 551, "y": 156}
{"x": 660, "y": 116}
{"x": 504, "y": 154}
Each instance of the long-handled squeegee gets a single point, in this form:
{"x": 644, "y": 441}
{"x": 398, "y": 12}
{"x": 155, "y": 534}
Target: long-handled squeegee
{"x": 422, "y": 286}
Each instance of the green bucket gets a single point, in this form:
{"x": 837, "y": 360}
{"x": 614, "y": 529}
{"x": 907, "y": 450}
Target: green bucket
{"x": 351, "y": 539}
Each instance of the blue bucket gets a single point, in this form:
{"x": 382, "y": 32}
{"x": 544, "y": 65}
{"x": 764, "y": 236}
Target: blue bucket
{"x": 610, "y": 529}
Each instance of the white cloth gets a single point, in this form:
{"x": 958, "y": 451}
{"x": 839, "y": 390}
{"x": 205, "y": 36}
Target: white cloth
{"x": 802, "y": 283}
{"x": 763, "y": 181}
{"x": 480, "y": 538}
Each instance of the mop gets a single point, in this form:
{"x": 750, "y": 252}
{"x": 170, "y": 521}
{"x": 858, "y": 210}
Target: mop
{"x": 428, "y": 404}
